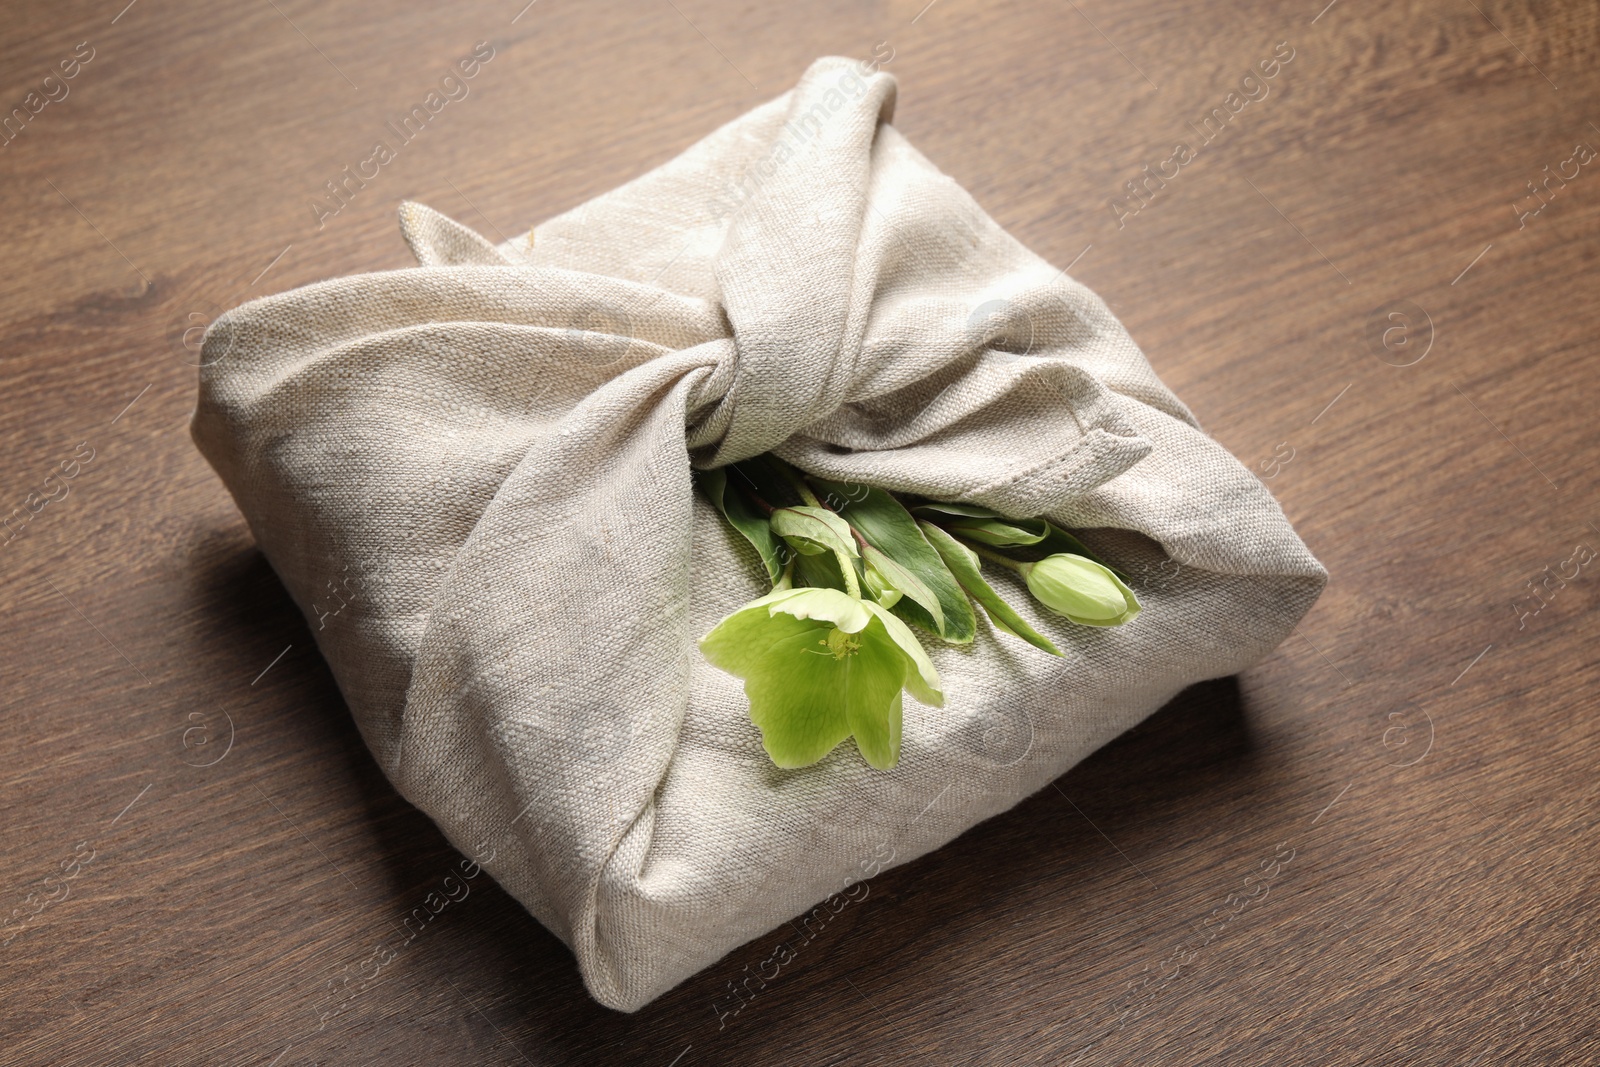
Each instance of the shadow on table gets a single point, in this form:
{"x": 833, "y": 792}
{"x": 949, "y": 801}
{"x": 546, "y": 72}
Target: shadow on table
{"x": 1047, "y": 864}
{"x": 1044, "y": 865}
{"x": 1057, "y": 861}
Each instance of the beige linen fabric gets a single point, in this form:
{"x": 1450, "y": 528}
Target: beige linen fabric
{"x": 474, "y": 478}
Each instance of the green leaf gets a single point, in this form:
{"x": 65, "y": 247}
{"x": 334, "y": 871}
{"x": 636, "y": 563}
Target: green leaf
{"x": 1000, "y": 533}
{"x": 812, "y": 531}
{"x": 742, "y": 515}
{"x": 971, "y": 511}
{"x": 820, "y": 571}
{"x": 985, "y": 526}
{"x": 963, "y": 563}
{"x": 885, "y": 524}
{"x": 907, "y": 583}
{"x": 1055, "y": 539}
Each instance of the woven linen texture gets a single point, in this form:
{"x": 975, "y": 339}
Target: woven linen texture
{"x": 473, "y": 477}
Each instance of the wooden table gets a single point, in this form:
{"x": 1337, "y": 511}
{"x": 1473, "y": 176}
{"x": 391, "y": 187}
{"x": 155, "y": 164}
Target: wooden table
{"x": 1353, "y": 284}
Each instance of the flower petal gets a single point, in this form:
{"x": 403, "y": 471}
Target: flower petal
{"x": 791, "y": 680}
{"x": 922, "y": 679}
{"x": 739, "y": 643}
{"x": 878, "y": 735}
{"x": 843, "y": 610}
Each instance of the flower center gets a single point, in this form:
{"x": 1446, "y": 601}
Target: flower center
{"x": 840, "y": 643}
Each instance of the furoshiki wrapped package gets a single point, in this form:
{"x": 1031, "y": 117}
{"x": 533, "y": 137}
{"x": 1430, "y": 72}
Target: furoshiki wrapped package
{"x": 475, "y": 477}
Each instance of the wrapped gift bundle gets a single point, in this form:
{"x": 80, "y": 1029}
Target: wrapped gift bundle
{"x": 478, "y": 479}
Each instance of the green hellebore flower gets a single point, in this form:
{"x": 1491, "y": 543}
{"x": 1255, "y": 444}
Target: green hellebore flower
{"x": 1081, "y": 589}
{"x": 819, "y": 665}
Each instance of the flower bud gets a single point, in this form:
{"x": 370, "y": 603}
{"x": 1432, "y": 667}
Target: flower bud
{"x": 1081, "y": 589}
{"x": 880, "y": 588}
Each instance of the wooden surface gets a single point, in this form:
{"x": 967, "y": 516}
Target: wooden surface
{"x": 1375, "y": 847}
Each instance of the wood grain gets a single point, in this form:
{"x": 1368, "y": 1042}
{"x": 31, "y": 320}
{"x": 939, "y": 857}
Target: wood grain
{"x": 1375, "y": 847}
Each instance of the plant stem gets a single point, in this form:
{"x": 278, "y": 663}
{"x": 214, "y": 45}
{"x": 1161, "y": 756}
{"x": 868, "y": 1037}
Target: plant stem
{"x": 848, "y": 569}
{"x": 796, "y": 480}
{"x": 990, "y": 554}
